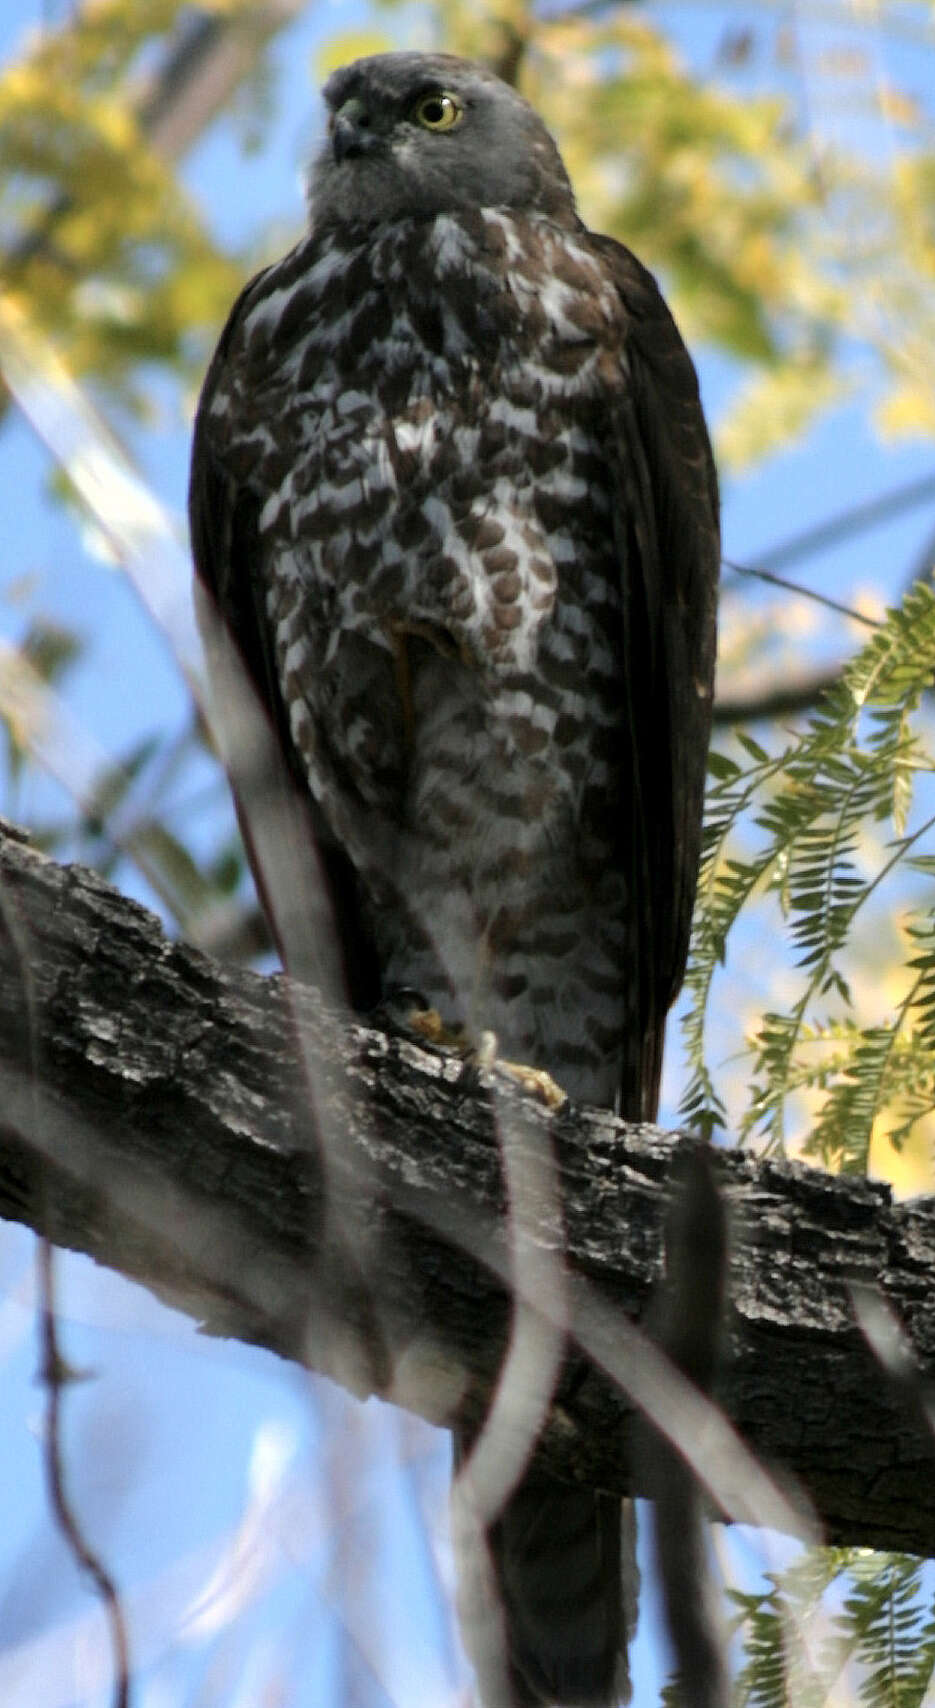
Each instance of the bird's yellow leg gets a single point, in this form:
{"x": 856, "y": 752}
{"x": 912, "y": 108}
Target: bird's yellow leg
{"x": 428, "y": 1023}
{"x": 536, "y": 1081}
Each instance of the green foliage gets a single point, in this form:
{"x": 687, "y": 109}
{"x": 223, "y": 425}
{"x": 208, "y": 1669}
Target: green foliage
{"x": 835, "y": 1615}
{"x": 807, "y": 807}
{"x": 102, "y": 249}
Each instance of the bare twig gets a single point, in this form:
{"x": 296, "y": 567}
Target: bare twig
{"x": 56, "y": 1374}
{"x": 803, "y": 592}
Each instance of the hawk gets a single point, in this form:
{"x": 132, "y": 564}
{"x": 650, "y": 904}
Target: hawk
{"x": 453, "y": 498}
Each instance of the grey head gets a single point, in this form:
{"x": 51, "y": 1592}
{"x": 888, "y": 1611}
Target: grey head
{"x": 418, "y": 134}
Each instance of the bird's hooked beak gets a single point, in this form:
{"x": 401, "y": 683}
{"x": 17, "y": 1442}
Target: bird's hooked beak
{"x": 351, "y": 132}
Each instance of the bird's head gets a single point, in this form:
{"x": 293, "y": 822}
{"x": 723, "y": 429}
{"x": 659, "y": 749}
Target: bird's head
{"x": 418, "y": 134}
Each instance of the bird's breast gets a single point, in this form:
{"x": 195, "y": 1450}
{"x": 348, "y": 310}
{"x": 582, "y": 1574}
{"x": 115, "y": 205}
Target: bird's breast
{"x": 422, "y": 409}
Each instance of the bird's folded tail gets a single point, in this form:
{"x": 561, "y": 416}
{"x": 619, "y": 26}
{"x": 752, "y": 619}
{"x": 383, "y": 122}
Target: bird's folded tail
{"x": 547, "y": 1596}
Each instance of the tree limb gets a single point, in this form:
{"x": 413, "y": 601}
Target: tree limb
{"x": 777, "y": 699}
{"x": 336, "y": 1195}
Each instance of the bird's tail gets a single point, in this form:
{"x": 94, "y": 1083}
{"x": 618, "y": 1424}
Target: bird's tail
{"x": 547, "y": 1596}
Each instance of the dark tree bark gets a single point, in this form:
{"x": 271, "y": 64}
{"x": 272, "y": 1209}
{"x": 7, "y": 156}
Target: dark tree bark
{"x": 296, "y": 1180}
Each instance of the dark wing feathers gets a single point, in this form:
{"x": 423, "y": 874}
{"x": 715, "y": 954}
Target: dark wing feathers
{"x": 669, "y": 536}
{"x": 223, "y": 519}
{"x": 228, "y": 554}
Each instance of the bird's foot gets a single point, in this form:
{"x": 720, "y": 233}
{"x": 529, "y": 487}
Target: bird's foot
{"x": 536, "y": 1081}
{"x": 427, "y": 1023}
{"x": 406, "y": 1010}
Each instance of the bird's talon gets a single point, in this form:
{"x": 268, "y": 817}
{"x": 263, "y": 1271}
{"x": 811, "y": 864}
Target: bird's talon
{"x": 428, "y": 1024}
{"x": 537, "y": 1082}
{"x": 392, "y": 1013}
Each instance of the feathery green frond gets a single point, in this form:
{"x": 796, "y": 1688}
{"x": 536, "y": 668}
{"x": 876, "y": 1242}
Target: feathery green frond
{"x": 795, "y": 823}
{"x": 838, "y": 1617}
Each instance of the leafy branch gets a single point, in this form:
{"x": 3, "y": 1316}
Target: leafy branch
{"x": 807, "y": 808}
{"x": 796, "y": 1649}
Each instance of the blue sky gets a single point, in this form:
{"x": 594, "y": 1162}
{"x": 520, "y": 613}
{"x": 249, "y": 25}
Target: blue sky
{"x": 161, "y": 1440}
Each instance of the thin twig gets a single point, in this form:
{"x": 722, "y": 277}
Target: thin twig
{"x": 55, "y": 1374}
{"x": 803, "y": 592}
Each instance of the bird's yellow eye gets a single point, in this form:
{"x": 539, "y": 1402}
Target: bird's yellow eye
{"x": 438, "y": 112}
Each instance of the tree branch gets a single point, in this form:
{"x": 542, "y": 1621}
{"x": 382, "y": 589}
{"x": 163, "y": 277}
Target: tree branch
{"x": 336, "y": 1195}
{"x": 776, "y": 699}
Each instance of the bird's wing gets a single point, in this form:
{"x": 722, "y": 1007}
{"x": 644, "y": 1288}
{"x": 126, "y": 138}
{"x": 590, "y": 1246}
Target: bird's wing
{"x": 278, "y": 817}
{"x": 667, "y": 525}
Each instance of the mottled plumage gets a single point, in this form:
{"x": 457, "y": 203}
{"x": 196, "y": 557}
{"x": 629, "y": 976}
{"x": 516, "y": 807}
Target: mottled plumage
{"x": 453, "y": 495}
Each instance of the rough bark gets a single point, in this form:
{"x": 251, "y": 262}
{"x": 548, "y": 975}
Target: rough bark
{"x": 315, "y": 1186}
